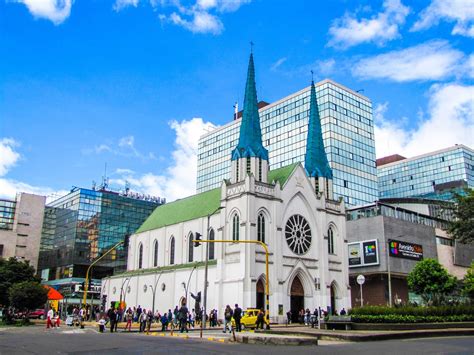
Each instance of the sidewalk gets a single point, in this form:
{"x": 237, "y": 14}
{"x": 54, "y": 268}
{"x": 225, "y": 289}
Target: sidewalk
{"x": 365, "y": 335}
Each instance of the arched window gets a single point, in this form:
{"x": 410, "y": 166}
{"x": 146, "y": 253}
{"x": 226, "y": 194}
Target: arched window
{"x": 155, "y": 253}
{"x": 140, "y": 256}
{"x": 330, "y": 241}
{"x": 190, "y": 247}
{"x": 172, "y": 251}
{"x": 235, "y": 227}
{"x": 261, "y": 227}
{"x": 211, "y": 245}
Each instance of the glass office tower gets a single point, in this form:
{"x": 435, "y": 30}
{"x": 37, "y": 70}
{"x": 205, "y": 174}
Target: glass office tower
{"x": 428, "y": 175}
{"x": 82, "y": 225}
{"x": 348, "y": 133}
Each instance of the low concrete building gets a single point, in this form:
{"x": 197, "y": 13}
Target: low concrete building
{"x": 387, "y": 239}
{"x": 21, "y": 222}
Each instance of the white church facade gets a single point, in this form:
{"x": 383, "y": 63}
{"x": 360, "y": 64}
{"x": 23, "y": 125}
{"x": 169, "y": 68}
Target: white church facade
{"x": 289, "y": 209}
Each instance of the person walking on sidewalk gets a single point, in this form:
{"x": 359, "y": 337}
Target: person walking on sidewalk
{"x": 260, "y": 318}
{"x": 142, "y": 320}
{"x": 49, "y": 320}
{"x": 112, "y": 319}
{"x": 183, "y": 318}
{"x": 238, "y": 317}
{"x": 128, "y": 319}
{"x": 228, "y": 313}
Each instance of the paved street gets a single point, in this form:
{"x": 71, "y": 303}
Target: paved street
{"x": 37, "y": 340}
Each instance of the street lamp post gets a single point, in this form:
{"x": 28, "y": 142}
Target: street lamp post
{"x": 206, "y": 267}
{"x": 186, "y": 286}
{"x": 153, "y": 289}
{"x": 121, "y": 290}
{"x": 387, "y": 246}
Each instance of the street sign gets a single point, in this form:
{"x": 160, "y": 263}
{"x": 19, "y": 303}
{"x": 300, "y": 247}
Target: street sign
{"x": 360, "y": 279}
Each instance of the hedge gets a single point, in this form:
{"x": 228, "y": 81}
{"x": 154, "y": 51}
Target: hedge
{"x": 382, "y": 314}
{"x": 397, "y": 318}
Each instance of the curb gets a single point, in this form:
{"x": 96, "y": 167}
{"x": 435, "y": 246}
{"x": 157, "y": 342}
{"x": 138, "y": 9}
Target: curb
{"x": 245, "y": 339}
{"x": 385, "y": 336}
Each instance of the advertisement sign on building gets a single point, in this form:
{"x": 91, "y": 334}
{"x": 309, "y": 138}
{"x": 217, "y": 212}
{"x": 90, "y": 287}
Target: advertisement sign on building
{"x": 405, "y": 250}
{"x": 364, "y": 253}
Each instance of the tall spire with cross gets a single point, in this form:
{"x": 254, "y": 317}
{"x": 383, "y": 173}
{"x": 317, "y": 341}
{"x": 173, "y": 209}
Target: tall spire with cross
{"x": 250, "y": 138}
{"x": 315, "y": 162}
{"x": 250, "y": 157}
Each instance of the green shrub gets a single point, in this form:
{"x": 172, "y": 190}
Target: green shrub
{"x": 382, "y": 314}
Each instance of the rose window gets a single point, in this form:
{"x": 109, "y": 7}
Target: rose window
{"x": 298, "y": 234}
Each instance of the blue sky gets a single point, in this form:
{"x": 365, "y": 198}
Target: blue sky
{"x": 134, "y": 83}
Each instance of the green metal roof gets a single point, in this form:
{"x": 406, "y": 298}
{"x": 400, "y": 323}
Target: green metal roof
{"x": 182, "y": 210}
{"x": 200, "y": 205}
{"x": 282, "y": 174}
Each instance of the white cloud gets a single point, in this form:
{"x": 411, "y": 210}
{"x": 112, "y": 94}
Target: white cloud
{"x": 200, "y": 17}
{"x": 179, "y": 180}
{"x": 278, "y": 63}
{"x": 201, "y": 22}
{"x": 9, "y": 157}
{"x": 57, "y": 11}
{"x": 432, "y": 60}
{"x": 121, "y": 4}
{"x": 461, "y": 12}
{"x": 384, "y": 26}
{"x": 125, "y": 147}
{"x": 450, "y": 121}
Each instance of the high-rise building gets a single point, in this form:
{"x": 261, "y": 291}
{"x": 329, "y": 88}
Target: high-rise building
{"x": 82, "y": 225}
{"x": 348, "y": 135}
{"x": 429, "y": 175}
{"x": 21, "y": 221}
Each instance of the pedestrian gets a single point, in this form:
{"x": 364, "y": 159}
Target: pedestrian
{"x": 260, "y": 319}
{"x": 343, "y": 312}
{"x": 238, "y": 317}
{"x": 307, "y": 316}
{"x": 228, "y": 313}
{"x": 101, "y": 324}
{"x": 112, "y": 319}
{"x": 128, "y": 319}
{"x": 142, "y": 320}
{"x": 57, "y": 321}
{"x": 49, "y": 319}
{"x": 149, "y": 320}
{"x": 288, "y": 317}
{"x": 164, "y": 322}
{"x": 183, "y": 317}
{"x": 139, "y": 312}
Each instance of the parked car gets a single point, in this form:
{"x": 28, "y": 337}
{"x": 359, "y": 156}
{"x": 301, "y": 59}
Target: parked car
{"x": 249, "y": 318}
{"x": 38, "y": 314}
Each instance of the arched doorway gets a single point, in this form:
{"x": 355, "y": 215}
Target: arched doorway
{"x": 333, "y": 298}
{"x": 296, "y": 298}
{"x": 260, "y": 295}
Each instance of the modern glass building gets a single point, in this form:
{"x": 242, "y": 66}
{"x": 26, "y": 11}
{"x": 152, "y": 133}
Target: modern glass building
{"x": 348, "y": 133}
{"x": 429, "y": 175}
{"x": 82, "y": 225}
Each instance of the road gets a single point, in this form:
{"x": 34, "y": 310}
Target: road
{"x": 37, "y": 340}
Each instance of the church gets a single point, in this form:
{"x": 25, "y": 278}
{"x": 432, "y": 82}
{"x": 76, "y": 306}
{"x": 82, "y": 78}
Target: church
{"x": 291, "y": 210}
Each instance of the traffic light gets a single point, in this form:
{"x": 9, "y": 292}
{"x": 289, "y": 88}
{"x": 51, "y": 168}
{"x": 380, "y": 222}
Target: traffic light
{"x": 83, "y": 286}
{"x": 126, "y": 241}
{"x": 197, "y": 239}
{"x": 104, "y": 300}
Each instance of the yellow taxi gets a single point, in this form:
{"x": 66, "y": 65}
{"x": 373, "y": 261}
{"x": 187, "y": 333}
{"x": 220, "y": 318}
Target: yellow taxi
{"x": 249, "y": 318}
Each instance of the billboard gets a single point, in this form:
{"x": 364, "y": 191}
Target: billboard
{"x": 405, "y": 250}
{"x": 364, "y": 253}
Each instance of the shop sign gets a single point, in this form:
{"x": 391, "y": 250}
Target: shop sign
{"x": 364, "y": 253}
{"x": 405, "y": 250}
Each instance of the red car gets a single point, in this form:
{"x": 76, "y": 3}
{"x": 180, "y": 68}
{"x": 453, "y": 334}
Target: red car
{"x": 38, "y": 314}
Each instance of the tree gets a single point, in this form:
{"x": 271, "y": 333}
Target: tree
{"x": 431, "y": 281}
{"x": 468, "y": 282}
{"x": 13, "y": 271}
{"x": 462, "y": 228}
{"x": 28, "y": 295}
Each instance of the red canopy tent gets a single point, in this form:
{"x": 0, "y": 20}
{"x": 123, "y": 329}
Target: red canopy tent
{"x": 53, "y": 295}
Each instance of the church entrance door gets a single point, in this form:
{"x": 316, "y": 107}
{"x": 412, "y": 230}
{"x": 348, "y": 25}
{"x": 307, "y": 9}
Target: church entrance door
{"x": 260, "y": 295}
{"x": 296, "y": 299}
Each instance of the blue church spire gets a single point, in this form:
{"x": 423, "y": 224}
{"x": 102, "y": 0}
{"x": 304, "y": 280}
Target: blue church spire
{"x": 250, "y": 138}
{"x": 315, "y": 161}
